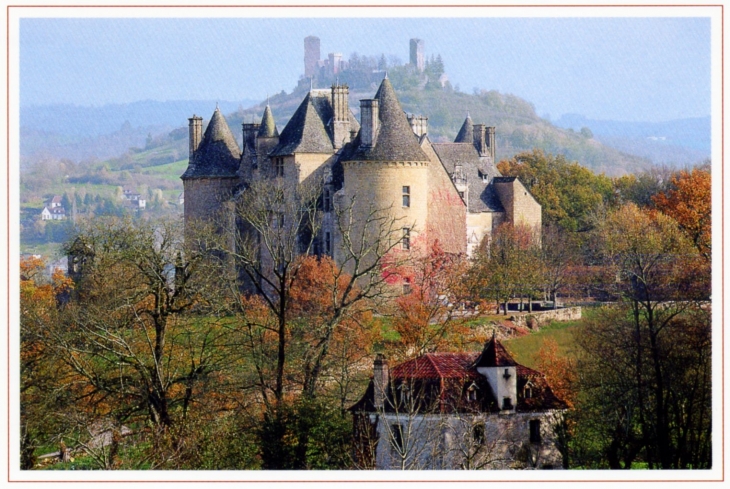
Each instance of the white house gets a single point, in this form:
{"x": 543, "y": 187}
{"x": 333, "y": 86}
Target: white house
{"x": 458, "y": 411}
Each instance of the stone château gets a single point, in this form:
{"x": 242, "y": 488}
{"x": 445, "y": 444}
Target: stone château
{"x": 446, "y": 192}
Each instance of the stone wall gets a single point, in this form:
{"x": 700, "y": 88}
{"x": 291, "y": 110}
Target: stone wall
{"x": 519, "y": 205}
{"x": 534, "y": 320}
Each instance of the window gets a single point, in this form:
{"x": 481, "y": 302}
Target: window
{"x": 471, "y": 393}
{"x": 327, "y": 243}
{"x": 535, "y": 431}
{"x": 507, "y": 404}
{"x": 477, "y": 434}
{"x": 406, "y": 241}
{"x": 485, "y": 177}
{"x": 279, "y": 164}
{"x": 397, "y": 433}
{"x": 406, "y": 286}
{"x": 327, "y": 201}
{"x": 528, "y": 390}
{"x": 406, "y": 196}
{"x": 461, "y": 194}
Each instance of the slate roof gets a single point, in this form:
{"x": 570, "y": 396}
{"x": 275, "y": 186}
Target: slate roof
{"x": 482, "y": 196}
{"x": 395, "y": 139}
{"x": 466, "y": 133}
{"x": 218, "y": 154}
{"x": 441, "y": 381}
{"x": 267, "y": 129}
{"x": 306, "y": 131}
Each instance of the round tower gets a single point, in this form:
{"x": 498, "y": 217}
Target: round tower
{"x": 388, "y": 171}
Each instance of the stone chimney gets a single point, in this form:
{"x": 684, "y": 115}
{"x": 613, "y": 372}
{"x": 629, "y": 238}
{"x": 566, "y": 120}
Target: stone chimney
{"x": 340, "y": 116}
{"x": 419, "y": 124}
{"x": 369, "y": 121}
{"x": 480, "y": 139}
{"x": 491, "y": 145}
{"x": 380, "y": 381}
{"x": 250, "y": 131}
{"x": 195, "y": 127}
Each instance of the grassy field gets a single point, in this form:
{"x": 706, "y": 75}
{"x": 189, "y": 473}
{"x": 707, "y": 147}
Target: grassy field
{"x": 524, "y": 349}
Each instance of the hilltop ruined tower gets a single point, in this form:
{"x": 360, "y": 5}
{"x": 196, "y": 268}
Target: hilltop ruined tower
{"x": 311, "y": 56}
{"x": 417, "y": 57}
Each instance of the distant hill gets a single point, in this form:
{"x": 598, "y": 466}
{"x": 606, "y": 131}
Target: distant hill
{"x": 80, "y": 133}
{"x": 518, "y": 126}
{"x": 676, "y": 142}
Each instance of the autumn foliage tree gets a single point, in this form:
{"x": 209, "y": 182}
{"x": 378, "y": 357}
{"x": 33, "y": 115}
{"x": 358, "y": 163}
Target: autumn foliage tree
{"x": 432, "y": 291}
{"x": 689, "y": 202}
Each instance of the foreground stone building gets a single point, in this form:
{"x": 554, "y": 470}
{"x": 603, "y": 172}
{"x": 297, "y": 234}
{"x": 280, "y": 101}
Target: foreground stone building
{"x": 446, "y": 192}
{"x": 457, "y": 411}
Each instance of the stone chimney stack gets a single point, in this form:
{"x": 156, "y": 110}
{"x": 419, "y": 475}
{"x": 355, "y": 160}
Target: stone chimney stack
{"x": 369, "y": 121}
{"x": 340, "y": 117}
{"x": 419, "y": 124}
{"x": 380, "y": 380}
{"x": 480, "y": 139}
{"x": 195, "y": 127}
{"x": 250, "y": 132}
{"x": 491, "y": 145}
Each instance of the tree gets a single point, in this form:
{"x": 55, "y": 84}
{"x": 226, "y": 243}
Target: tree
{"x": 424, "y": 316}
{"x": 126, "y": 334}
{"x": 288, "y": 336}
{"x": 689, "y": 202}
{"x": 558, "y": 253}
{"x": 506, "y": 265}
{"x": 634, "y": 359}
{"x": 567, "y": 191}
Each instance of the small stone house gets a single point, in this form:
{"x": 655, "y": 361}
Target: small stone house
{"x": 457, "y": 411}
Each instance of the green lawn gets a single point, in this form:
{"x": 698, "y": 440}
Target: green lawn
{"x": 524, "y": 349}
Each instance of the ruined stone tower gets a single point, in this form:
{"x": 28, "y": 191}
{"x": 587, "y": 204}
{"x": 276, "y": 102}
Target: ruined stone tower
{"x": 417, "y": 57}
{"x": 311, "y": 56}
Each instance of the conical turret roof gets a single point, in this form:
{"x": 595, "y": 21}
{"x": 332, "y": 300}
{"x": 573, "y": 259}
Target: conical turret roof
{"x": 218, "y": 154}
{"x": 395, "y": 139}
{"x": 466, "y": 133}
{"x": 268, "y": 126}
{"x": 495, "y": 355}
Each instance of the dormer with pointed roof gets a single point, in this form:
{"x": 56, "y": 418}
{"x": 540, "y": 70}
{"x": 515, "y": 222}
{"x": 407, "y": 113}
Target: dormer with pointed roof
{"x": 217, "y": 155}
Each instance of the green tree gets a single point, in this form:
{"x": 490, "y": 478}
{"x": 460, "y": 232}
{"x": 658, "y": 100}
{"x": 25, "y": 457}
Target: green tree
{"x": 568, "y": 192}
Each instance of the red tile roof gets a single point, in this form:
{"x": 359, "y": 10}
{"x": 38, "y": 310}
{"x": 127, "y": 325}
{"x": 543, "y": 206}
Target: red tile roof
{"x": 438, "y": 366}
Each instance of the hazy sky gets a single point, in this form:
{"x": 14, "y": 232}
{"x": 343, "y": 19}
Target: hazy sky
{"x": 648, "y": 69}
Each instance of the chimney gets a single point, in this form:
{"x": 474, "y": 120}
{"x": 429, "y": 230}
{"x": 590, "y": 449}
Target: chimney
{"x": 369, "y": 121}
{"x": 491, "y": 144}
{"x": 380, "y": 380}
{"x": 419, "y": 124}
{"x": 250, "y": 132}
{"x": 480, "y": 139}
{"x": 340, "y": 117}
{"x": 195, "y": 127}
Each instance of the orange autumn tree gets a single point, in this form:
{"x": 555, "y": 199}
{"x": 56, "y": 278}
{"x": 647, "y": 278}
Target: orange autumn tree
{"x": 559, "y": 371}
{"x": 689, "y": 203}
{"x": 41, "y": 376}
{"x": 424, "y": 315}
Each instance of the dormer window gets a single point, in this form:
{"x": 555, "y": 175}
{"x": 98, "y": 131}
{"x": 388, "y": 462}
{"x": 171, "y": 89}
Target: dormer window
{"x": 471, "y": 392}
{"x": 528, "y": 391}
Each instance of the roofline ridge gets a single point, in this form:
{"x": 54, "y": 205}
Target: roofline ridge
{"x": 434, "y": 365}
